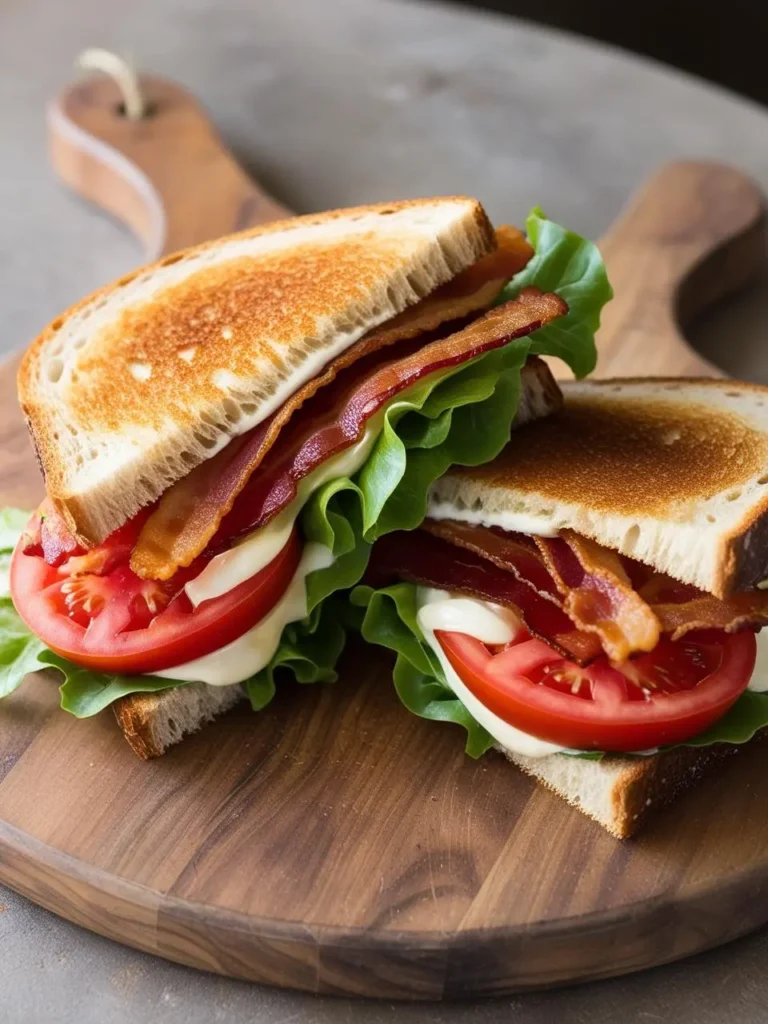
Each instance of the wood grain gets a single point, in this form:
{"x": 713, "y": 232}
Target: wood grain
{"x": 694, "y": 234}
{"x": 336, "y": 843}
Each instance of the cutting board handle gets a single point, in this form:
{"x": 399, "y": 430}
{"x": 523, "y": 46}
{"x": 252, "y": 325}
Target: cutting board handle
{"x": 167, "y": 175}
{"x": 692, "y": 235}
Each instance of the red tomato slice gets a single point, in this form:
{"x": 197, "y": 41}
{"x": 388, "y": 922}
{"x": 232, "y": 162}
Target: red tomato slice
{"x": 95, "y": 611}
{"x": 667, "y": 696}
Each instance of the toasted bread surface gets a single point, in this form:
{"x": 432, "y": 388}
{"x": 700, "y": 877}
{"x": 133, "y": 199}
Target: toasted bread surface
{"x": 621, "y": 793}
{"x": 152, "y": 722}
{"x": 147, "y": 378}
{"x": 671, "y": 472}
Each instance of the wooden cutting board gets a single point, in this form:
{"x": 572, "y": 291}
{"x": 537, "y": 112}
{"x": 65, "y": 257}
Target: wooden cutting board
{"x": 334, "y": 842}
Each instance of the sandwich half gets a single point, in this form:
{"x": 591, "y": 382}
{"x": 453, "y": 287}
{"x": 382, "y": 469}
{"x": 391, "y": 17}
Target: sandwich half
{"x": 589, "y": 602}
{"x": 223, "y": 435}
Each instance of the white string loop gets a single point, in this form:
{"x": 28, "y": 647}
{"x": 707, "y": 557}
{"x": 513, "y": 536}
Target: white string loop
{"x": 124, "y": 74}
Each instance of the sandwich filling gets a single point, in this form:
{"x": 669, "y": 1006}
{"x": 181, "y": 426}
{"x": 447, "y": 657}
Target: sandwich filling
{"x": 234, "y": 571}
{"x": 557, "y": 644}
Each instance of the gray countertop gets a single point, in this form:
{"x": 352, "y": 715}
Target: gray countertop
{"x": 331, "y": 104}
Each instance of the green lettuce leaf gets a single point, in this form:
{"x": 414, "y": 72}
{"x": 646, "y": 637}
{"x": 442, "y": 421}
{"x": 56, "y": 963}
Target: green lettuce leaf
{"x": 572, "y": 266}
{"x": 460, "y": 416}
{"x": 85, "y": 692}
{"x": 747, "y": 716}
{"x": 5, "y": 569}
{"x": 387, "y": 617}
{"x": 390, "y": 621}
{"x": 309, "y": 650}
{"x": 12, "y": 522}
{"x": 20, "y": 650}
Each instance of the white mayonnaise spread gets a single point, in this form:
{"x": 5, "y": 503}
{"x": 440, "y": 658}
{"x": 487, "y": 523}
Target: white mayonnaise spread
{"x": 514, "y": 522}
{"x": 252, "y": 651}
{"x": 492, "y": 624}
{"x": 759, "y": 680}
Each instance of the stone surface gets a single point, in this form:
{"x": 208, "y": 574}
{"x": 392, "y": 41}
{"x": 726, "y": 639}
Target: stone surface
{"x": 330, "y": 104}
{"x": 52, "y": 971}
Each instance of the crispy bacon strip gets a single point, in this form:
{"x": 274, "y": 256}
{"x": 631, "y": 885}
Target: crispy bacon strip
{"x": 623, "y": 605}
{"x": 677, "y": 607}
{"x": 513, "y": 552}
{"x": 585, "y": 581}
{"x": 681, "y": 609}
{"x": 597, "y": 594}
{"x": 473, "y": 289}
{"x": 49, "y": 535}
{"x": 429, "y": 560}
{"x": 191, "y": 512}
{"x": 513, "y": 252}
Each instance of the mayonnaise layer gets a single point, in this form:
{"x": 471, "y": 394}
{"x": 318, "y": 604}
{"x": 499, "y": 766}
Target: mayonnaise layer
{"x": 759, "y": 680}
{"x": 513, "y": 522}
{"x": 491, "y": 624}
{"x": 249, "y": 654}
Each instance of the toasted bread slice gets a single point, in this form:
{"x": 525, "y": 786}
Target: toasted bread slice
{"x": 152, "y": 722}
{"x": 622, "y": 792}
{"x": 673, "y": 473}
{"x": 149, "y": 377}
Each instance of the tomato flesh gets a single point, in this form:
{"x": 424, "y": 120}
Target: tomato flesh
{"x": 667, "y": 696}
{"x": 91, "y": 608}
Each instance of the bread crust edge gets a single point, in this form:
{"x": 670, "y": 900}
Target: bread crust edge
{"x": 134, "y": 716}
{"x": 643, "y": 785}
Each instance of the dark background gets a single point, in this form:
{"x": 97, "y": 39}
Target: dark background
{"x": 729, "y": 45}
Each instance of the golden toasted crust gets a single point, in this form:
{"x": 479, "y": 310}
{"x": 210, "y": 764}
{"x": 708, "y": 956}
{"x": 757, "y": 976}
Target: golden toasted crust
{"x": 649, "y": 783}
{"x": 152, "y": 722}
{"x": 621, "y": 459}
{"x": 620, "y": 792}
{"x": 228, "y": 317}
{"x": 681, "y": 452}
{"x": 236, "y": 317}
{"x": 135, "y": 715}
